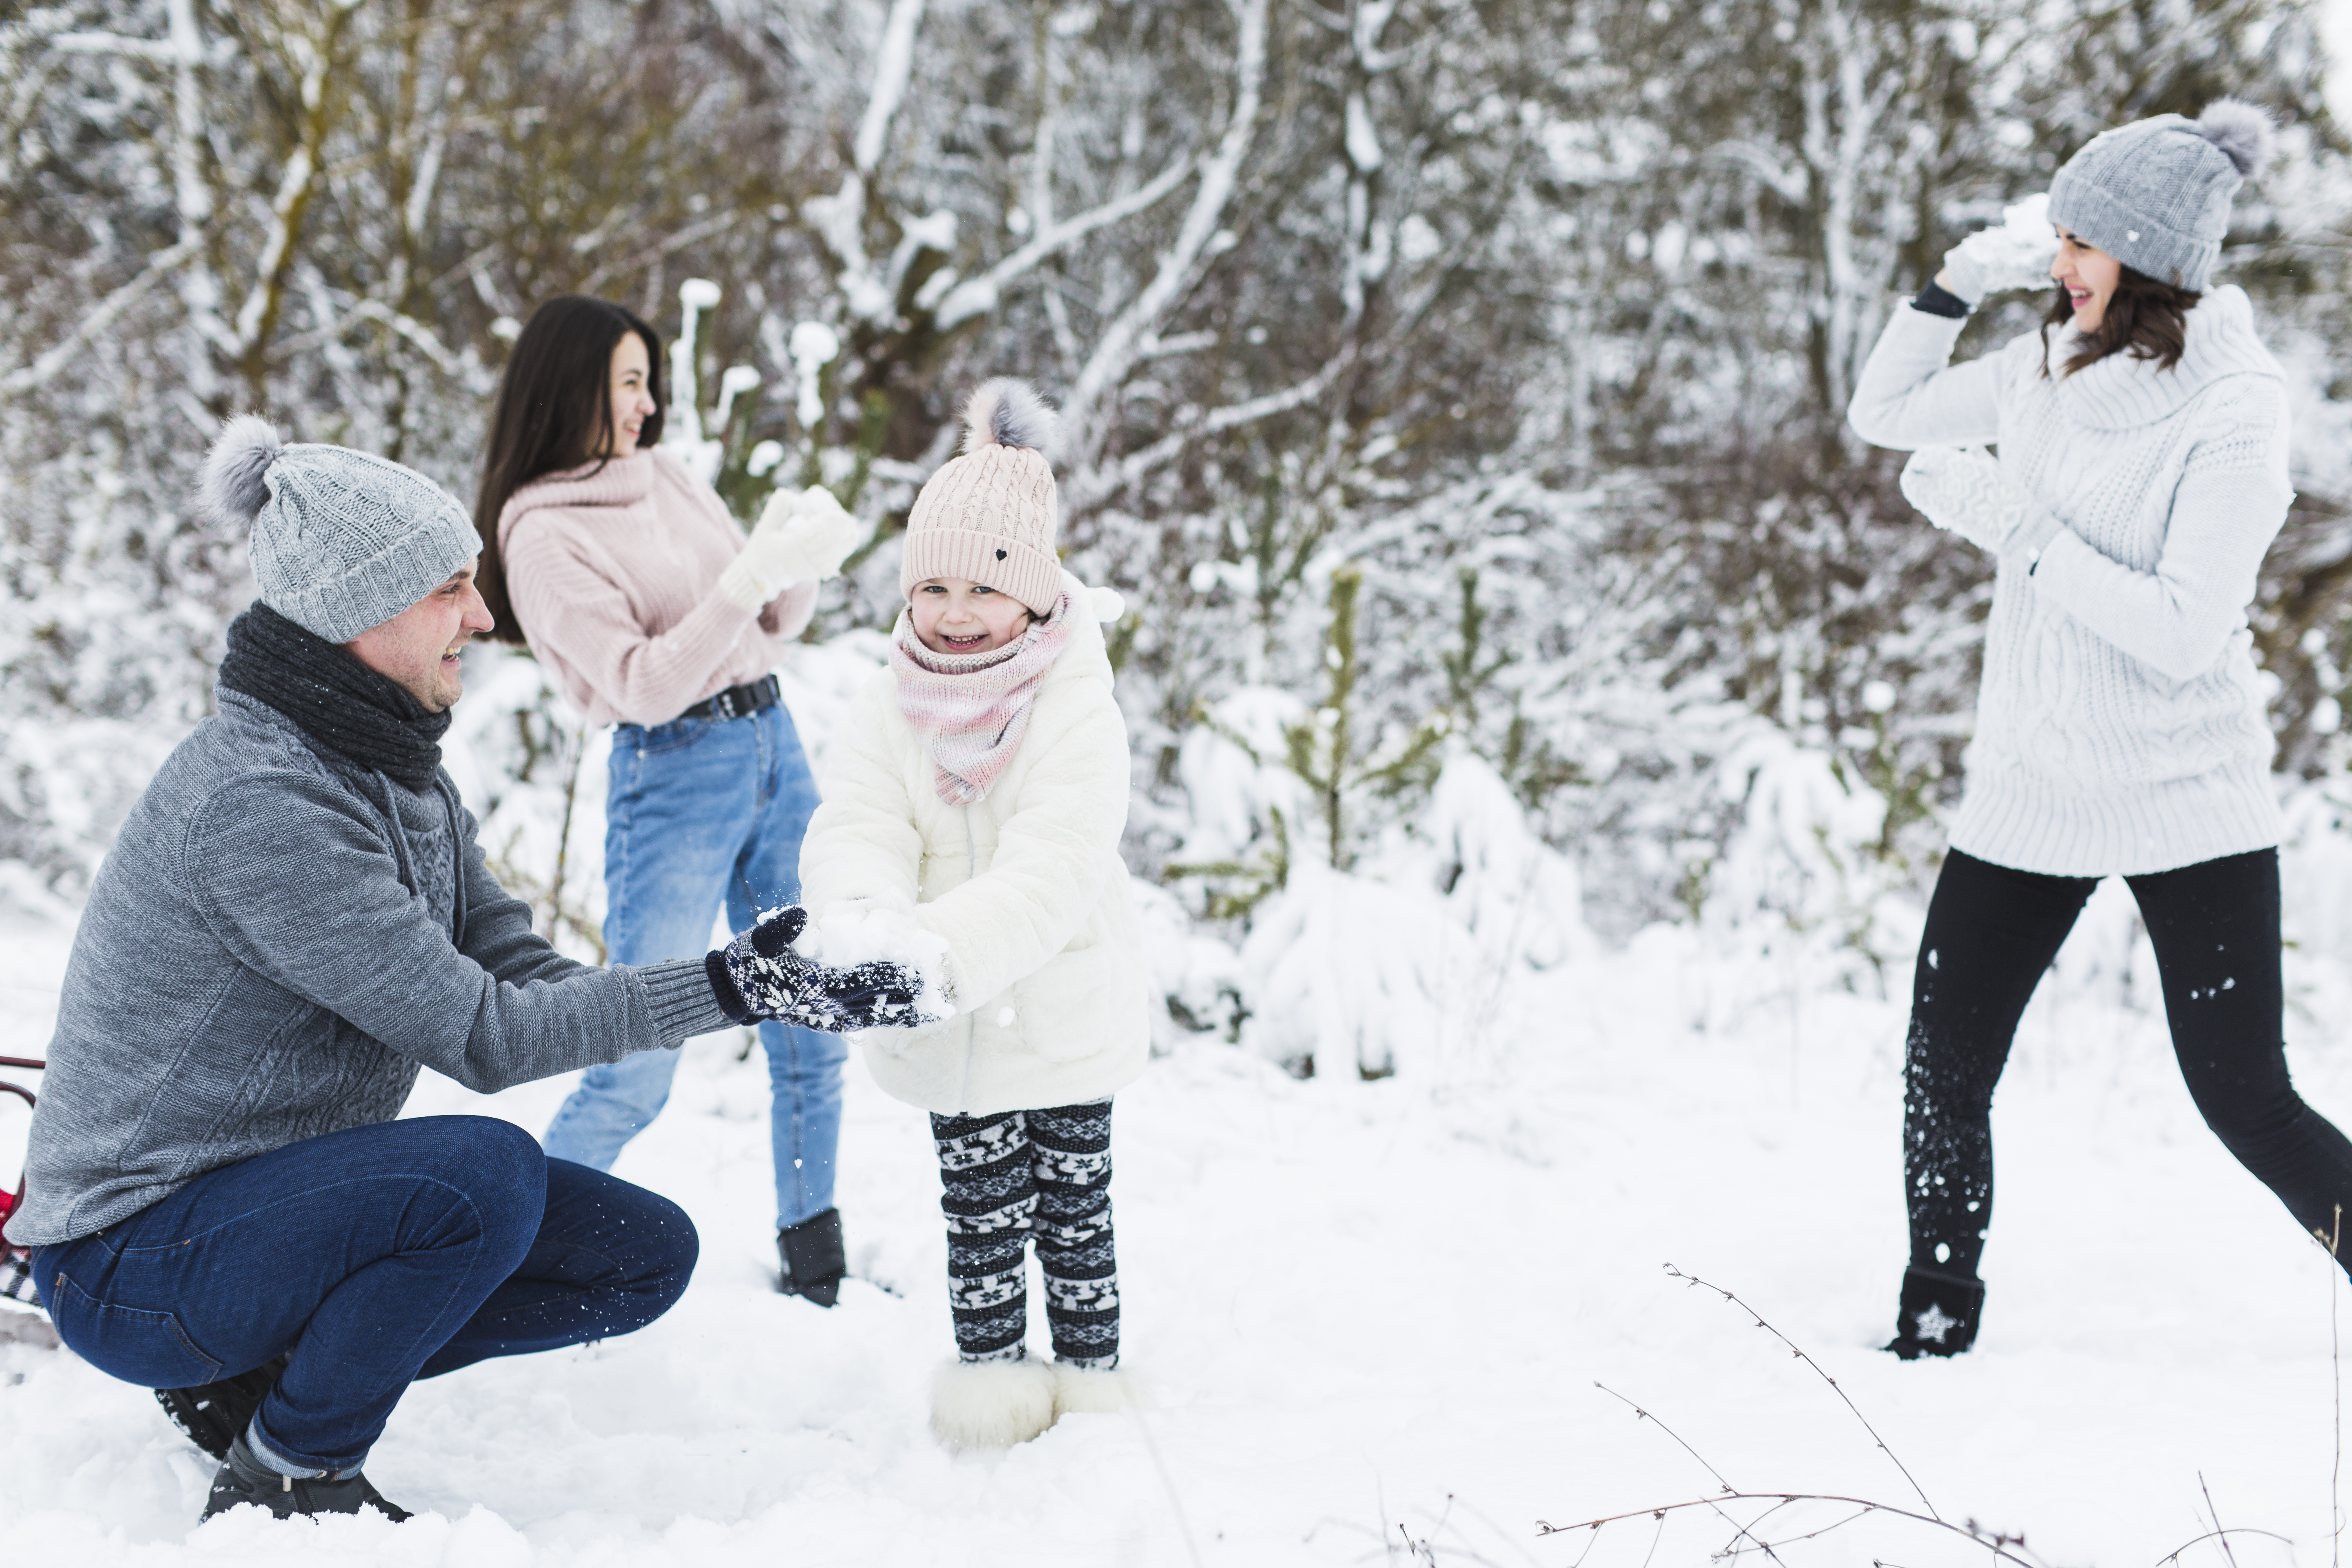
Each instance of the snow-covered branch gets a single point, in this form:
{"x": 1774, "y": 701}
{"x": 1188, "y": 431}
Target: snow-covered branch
{"x": 164, "y": 51}
{"x": 683, "y": 237}
{"x": 1114, "y": 350}
{"x": 1847, "y": 88}
{"x": 893, "y": 64}
{"x": 256, "y": 319}
{"x": 335, "y": 325}
{"x": 1092, "y": 488}
{"x": 974, "y": 296}
{"x": 1782, "y": 181}
{"x": 1368, "y": 249}
{"x": 839, "y": 219}
{"x": 96, "y": 324}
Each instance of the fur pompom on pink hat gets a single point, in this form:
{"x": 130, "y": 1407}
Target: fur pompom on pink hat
{"x": 989, "y": 516}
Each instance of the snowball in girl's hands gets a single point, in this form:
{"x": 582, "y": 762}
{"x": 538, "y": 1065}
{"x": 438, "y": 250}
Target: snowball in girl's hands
{"x": 953, "y": 615}
{"x": 861, "y": 931}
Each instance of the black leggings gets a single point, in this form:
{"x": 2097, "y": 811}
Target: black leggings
{"x": 1992, "y": 931}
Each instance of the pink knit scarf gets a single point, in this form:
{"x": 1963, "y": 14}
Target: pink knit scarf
{"x": 971, "y": 708}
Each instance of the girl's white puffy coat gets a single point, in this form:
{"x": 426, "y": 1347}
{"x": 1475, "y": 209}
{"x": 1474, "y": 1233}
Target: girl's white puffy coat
{"x": 1026, "y": 887}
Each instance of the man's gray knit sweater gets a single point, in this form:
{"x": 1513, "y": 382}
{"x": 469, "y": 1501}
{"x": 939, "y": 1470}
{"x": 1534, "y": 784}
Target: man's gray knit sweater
{"x": 278, "y": 940}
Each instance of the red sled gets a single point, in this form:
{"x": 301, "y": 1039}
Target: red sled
{"x": 16, "y": 1262}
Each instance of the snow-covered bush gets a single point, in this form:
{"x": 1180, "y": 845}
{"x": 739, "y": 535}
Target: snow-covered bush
{"x": 1196, "y": 980}
{"x": 1391, "y": 967}
{"x": 1804, "y": 879}
{"x": 1343, "y": 973}
{"x": 2316, "y": 905}
{"x": 1246, "y": 814}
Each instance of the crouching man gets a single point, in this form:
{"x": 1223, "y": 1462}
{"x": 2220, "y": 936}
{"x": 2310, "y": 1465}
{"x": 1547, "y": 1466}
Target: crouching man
{"x": 297, "y": 916}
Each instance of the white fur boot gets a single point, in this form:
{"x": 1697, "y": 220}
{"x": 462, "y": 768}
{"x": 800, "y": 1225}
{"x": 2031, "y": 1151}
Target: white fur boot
{"x": 991, "y": 1404}
{"x": 1094, "y": 1389}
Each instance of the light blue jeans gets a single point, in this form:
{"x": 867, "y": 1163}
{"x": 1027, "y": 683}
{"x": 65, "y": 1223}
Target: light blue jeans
{"x": 703, "y": 811}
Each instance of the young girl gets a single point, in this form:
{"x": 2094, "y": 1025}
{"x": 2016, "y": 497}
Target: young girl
{"x": 974, "y": 802}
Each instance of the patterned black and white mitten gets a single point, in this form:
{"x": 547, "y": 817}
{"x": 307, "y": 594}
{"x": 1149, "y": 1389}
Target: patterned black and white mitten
{"x": 759, "y": 976}
{"x": 877, "y": 994}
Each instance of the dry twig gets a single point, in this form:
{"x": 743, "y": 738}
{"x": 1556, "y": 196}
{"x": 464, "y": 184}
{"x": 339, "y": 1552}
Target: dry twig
{"x": 2001, "y": 1545}
{"x": 1824, "y": 1376}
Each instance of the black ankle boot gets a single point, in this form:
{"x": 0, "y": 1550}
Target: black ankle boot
{"x": 1937, "y": 1316}
{"x": 812, "y": 1257}
{"x": 243, "y": 1479}
{"x": 212, "y": 1415}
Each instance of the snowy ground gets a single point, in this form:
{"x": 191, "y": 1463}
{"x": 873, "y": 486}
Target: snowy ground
{"x": 1376, "y": 1314}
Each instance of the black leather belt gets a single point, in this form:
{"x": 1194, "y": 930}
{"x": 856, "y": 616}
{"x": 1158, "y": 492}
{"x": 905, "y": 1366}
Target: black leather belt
{"x": 738, "y": 702}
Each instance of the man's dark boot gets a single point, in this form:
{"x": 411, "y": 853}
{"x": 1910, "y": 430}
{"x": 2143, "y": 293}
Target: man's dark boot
{"x": 812, "y": 1257}
{"x": 1937, "y": 1316}
{"x": 243, "y": 1479}
{"x": 212, "y": 1415}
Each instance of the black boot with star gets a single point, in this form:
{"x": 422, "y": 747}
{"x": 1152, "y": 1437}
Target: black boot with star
{"x": 1939, "y": 1314}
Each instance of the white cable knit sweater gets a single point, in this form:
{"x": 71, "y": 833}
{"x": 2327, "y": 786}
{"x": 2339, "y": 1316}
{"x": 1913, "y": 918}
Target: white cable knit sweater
{"x": 2119, "y": 725}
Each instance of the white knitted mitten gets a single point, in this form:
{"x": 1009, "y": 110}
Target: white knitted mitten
{"x": 1966, "y": 492}
{"x": 2014, "y": 253}
{"x": 800, "y": 538}
{"x": 816, "y": 528}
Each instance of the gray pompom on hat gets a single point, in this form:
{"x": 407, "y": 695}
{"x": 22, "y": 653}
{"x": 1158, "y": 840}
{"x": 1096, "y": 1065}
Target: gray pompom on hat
{"x": 343, "y": 541}
{"x": 2155, "y": 194}
{"x": 989, "y": 516}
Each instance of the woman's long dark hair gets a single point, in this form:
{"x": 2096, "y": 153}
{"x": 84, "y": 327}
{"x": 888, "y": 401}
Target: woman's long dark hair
{"x": 2144, "y": 318}
{"x": 554, "y": 411}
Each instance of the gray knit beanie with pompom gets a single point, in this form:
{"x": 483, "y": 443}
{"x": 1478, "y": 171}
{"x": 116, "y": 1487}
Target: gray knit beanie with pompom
{"x": 343, "y": 541}
{"x": 2155, "y": 194}
{"x": 989, "y": 516}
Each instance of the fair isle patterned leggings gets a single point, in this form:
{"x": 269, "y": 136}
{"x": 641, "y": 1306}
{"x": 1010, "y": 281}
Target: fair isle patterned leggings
{"x": 1011, "y": 1176}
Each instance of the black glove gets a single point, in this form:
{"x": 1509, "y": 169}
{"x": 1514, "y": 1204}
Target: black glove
{"x": 758, "y": 976}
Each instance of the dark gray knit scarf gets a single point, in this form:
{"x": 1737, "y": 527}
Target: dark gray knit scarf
{"x": 337, "y": 701}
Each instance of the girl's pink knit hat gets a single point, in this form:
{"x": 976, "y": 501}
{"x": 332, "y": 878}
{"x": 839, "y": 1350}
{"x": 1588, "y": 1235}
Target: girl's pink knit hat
{"x": 989, "y": 515}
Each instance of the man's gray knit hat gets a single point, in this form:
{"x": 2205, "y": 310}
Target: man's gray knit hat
{"x": 343, "y": 541}
{"x": 2155, "y": 194}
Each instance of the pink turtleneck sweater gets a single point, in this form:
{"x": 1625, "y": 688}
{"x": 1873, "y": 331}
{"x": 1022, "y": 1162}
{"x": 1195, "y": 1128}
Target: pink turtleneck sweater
{"x": 615, "y": 575}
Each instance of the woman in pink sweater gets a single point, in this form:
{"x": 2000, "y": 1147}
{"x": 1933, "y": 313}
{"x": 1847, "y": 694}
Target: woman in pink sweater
{"x": 655, "y": 614}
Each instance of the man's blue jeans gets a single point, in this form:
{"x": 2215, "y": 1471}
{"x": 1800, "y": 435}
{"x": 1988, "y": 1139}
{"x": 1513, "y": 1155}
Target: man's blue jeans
{"x": 702, "y": 813}
{"x": 373, "y": 1257}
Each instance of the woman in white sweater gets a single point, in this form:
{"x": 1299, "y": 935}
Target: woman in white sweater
{"x": 2142, "y": 474}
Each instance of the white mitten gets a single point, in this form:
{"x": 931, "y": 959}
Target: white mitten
{"x": 1964, "y": 490}
{"x": 819, "y": 528}
{"x": 802, "y": 537}
{"x": 2015, "y": 255}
